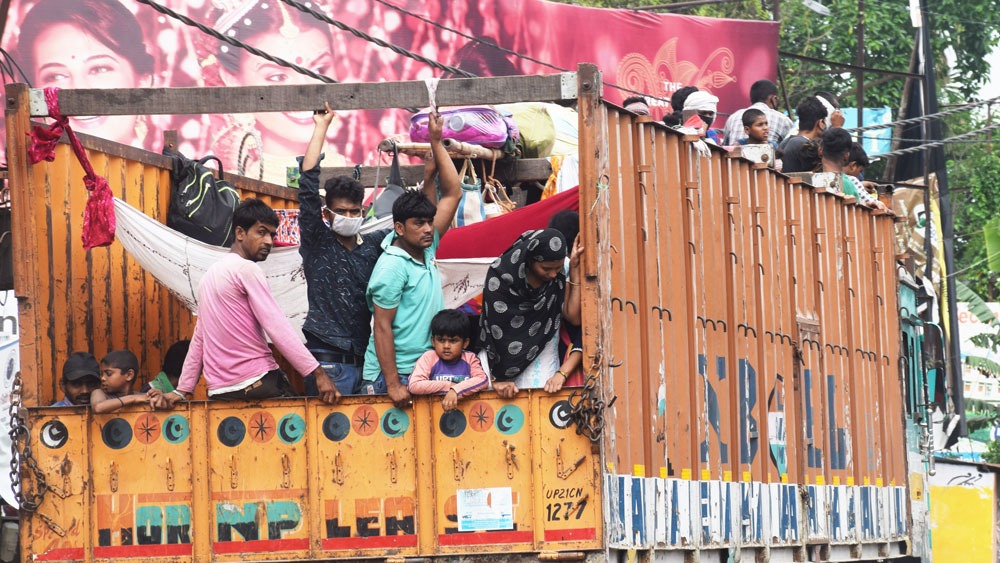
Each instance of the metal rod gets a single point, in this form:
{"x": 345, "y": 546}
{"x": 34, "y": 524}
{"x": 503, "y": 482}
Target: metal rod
{"x": 847, "y": 66}
{"x": 860, "y": 63}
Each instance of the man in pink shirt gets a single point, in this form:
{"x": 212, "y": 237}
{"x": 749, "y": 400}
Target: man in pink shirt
{"x": 235, "y": 311}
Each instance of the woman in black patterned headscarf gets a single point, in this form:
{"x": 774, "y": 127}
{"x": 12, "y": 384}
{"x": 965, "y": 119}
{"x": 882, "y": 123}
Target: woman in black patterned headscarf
{"x": 523, "y": 301}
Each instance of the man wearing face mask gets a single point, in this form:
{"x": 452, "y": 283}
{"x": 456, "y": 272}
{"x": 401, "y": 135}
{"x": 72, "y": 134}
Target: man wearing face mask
{"x": 337, "y": 262}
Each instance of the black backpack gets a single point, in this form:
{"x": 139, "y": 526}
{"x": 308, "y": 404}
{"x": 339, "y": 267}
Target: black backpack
{"x": 201, "y": 206}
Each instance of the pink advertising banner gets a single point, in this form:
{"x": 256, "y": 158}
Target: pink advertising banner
{"x": 122, "y": 44}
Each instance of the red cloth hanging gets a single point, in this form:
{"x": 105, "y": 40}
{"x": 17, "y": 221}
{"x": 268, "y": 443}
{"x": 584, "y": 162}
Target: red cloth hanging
{"x": 99, "y": 214}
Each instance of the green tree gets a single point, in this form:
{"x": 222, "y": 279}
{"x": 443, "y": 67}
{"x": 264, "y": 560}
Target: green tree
{"x": 974, "y": 177}
{"x": 992, "y": 453}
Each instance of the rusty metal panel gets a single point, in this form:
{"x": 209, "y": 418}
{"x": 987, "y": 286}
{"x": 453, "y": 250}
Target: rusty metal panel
{"x": 835, "y": 377}
{"x": 716, "y": 403}
{"x": 889, "y": 333}
{"x": 364, "y": 447}
{"x": 60, "y": 529}
{"x": 750, "y": 418}
{"x": 777, "y": 329}
{"x": 629, "y": 452}
{"x": 859, "y": 388}
{"x": 669, "y": 312}
{"x": 484, "y": 447}
{"x": 258, "y": 485}
{"x": 296, "y": 479}
{"x": 802, "y": 234}
{"x": 673, "y": 307}
{"x": 141, "y": 511}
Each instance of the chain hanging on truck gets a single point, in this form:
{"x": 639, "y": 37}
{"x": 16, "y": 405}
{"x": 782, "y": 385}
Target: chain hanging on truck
{"x": 29, "y": 496}
{"x": 587, "y": 406}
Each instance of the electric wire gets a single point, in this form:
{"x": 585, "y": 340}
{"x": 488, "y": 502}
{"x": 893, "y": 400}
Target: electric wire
{"x": 507, "y": 51}
{"x": 380, "y": 42}
{"x": 935, "y": 144}
{"x": 235, "y": 42}
{"x": 928, "y": 117}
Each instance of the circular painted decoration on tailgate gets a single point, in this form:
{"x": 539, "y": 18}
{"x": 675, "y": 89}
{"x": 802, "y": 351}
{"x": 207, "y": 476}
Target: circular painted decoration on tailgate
{"x": 510, "y": 419}
{"x": 117, "y": 433}
{"x": 291, "y": 428}
{"x": 54, "y": 434}
{"x": 147, "y": 428}
{"x": 364, "y": 420}
{"x": 336, "y": 426}
{"x": 560, "y": 414}
{"x": 481, "y": 416}
{"x": 452, "y": 423}
{"x": 175, "y": 429}
{"x": 262, "y": 426}
{"x": 231, "y": 431}
{"x": 395, "y": 423}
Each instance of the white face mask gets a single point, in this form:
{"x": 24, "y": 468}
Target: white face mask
{"x": 346, "y": 226}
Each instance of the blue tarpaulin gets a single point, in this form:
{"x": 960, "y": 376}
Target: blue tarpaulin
{"x": 877, "y": 141}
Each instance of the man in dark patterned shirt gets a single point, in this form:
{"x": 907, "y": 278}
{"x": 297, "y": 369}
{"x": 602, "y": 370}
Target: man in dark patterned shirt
{"x": 338, "y": 262}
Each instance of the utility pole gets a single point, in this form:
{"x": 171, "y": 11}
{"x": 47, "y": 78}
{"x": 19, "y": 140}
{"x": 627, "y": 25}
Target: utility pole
{"x": 859, "y": 61}
{"x": 936, "y": 163}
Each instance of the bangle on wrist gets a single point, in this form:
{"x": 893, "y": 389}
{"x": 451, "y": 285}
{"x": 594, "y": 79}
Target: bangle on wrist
{"x": 180, "y": 394}
{"x": 120, "y": 400}
{"x": 562, "y": 373}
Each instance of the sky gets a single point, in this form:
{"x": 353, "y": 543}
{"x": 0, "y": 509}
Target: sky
{"x": 992, "y": 88}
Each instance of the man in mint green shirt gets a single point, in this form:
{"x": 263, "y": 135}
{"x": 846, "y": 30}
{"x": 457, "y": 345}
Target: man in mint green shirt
{"x": 404, "y": 291}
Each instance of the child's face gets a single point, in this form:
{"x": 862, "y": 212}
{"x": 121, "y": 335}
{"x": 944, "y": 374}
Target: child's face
{"x": 113, "y": 380}
{"x": 853, "y": 169}
{"x": 449, "y": 348}
{"x": 758, "y": 131}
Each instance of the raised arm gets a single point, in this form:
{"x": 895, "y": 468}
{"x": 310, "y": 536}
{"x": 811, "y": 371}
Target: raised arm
{"x": 451, "y": 189}
{"x": 572, "y": 306}
{"x": 430, "y": 172}
{"x": 311, "y": 204}
{"x": 321, "y": 121}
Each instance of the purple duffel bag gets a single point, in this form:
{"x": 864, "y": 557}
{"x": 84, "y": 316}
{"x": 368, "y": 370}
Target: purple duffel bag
{"x": 478, "y": 125}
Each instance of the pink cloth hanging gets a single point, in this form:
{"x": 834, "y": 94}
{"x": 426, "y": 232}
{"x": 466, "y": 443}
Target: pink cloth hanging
{"x": 99, "y": 215}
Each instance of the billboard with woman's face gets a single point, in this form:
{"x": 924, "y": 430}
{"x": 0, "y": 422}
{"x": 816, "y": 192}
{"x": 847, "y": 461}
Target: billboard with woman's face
{"x": 124, "y": 44}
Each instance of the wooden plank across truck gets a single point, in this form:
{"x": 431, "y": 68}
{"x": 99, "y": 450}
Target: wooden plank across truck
{"x": 741, "y": 341}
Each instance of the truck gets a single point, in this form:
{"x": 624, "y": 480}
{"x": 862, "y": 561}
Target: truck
{"x": 748, "y": 396}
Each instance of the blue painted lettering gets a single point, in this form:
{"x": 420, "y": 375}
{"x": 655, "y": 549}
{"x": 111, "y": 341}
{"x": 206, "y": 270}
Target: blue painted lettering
{"x": 713, "y": 405}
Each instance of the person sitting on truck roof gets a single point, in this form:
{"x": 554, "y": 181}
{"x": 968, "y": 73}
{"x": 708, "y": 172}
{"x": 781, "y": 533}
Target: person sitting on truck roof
{"x": 338, "y": 262}
{"x": 118, "y": 372}
{"x": 449, "y": 368}
{"x": 404, "y": 292}
{"x": 637, "y": 105}
{"x": 676, "y": 115}
{"x": 81, "y": 376}
{"x": 756, "y": 128}
{"x": 857, "y": 161}
{"x": 764, "y": 98}
{"x": 812, "y": 122}
{"x": 835, "y": 149}
{"x": 704, "y": 106}
{"x": 235, "y": 311}
{"x": 525, "y": 297}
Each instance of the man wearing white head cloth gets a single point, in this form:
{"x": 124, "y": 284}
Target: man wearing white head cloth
{"x": 702, "y": 105}
{"x": 834, "y": 118}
